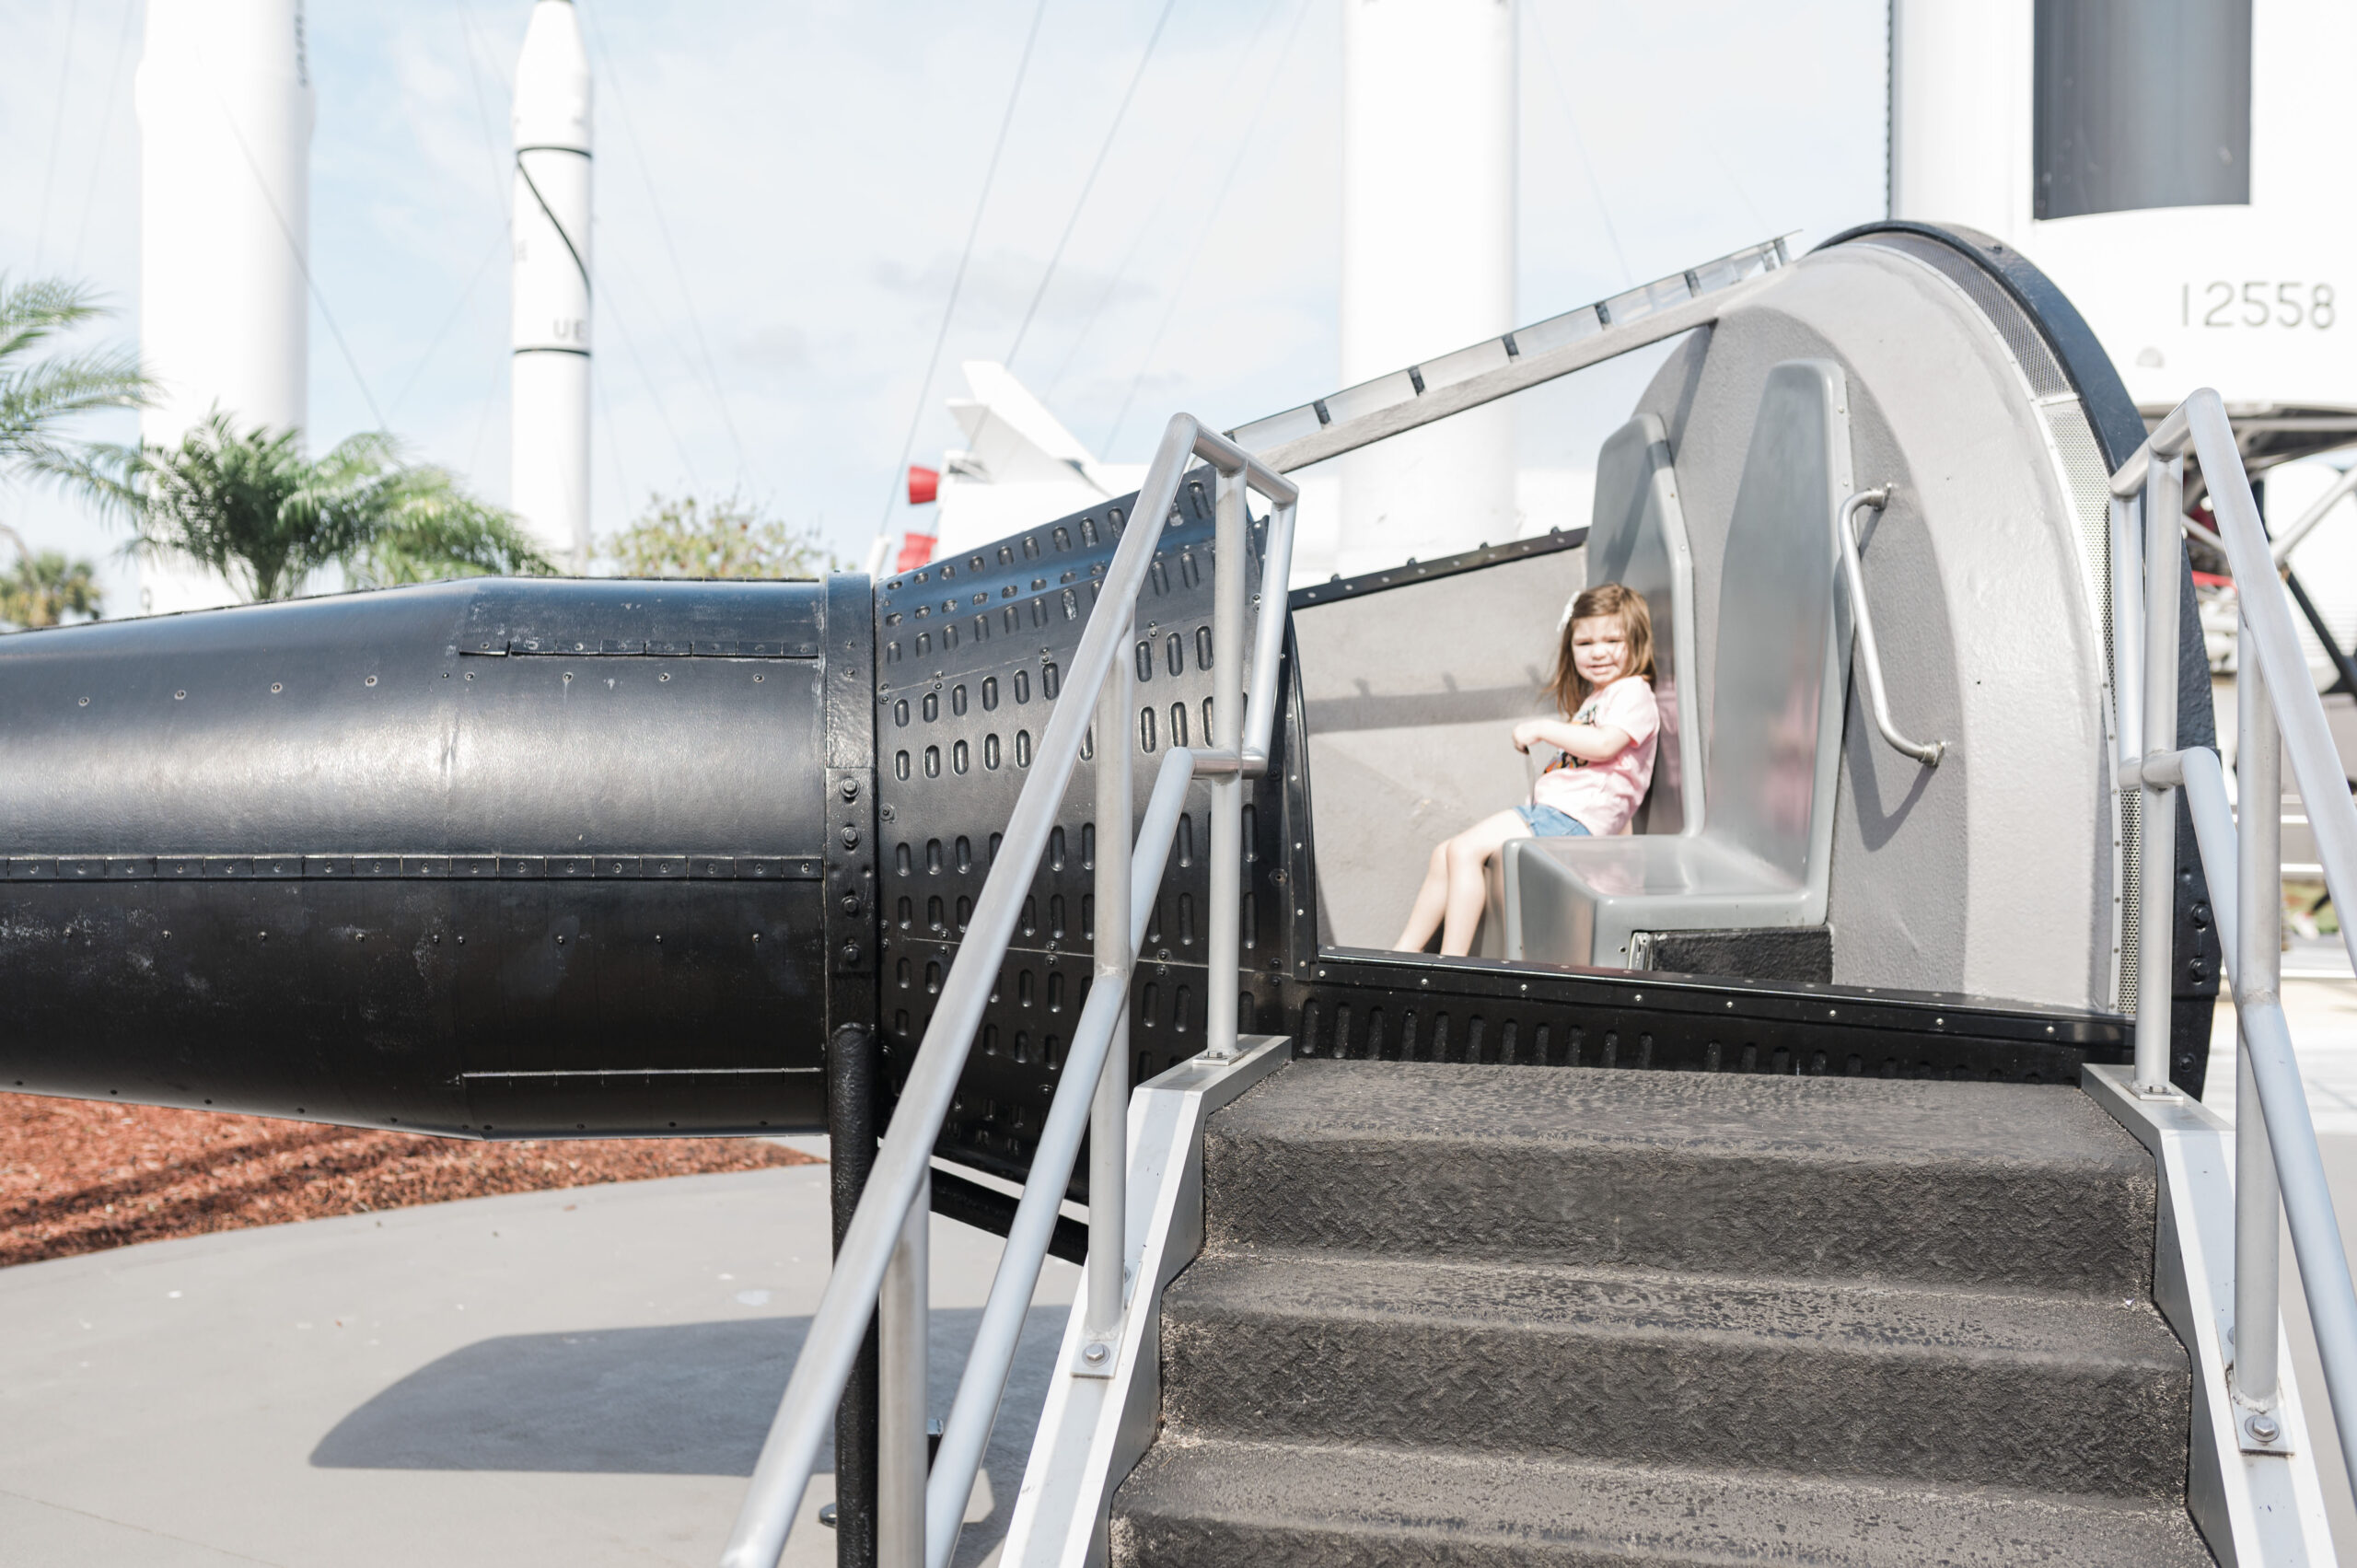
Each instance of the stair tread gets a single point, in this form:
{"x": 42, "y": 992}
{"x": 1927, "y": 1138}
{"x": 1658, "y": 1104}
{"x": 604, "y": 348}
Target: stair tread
{"x": 1979, "y": 1185}
{"x": 1203, "y": 1501}
{"x": 1633, "y": 1367}
{"x": 1838, "y": 1121}
{"x": 1555, "y": 1300}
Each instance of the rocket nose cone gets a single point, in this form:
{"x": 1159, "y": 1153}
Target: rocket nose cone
{"x": 553, "y": 92}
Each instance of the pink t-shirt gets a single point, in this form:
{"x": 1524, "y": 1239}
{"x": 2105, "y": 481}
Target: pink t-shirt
{"x": 1602, "y": 797}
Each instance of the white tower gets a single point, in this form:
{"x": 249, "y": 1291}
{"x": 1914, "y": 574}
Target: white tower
{"x": 549, "y": 397}
{"x": 225, "y": 120}
{"x": 1428, "y": 262}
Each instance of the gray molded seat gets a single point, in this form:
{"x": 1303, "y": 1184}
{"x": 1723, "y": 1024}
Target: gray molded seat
{"x": 1777, "y": 696}
{"x": 1638, "y": 539}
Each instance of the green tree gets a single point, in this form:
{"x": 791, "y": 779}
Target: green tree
{"x": 681, "y": 537}
{"x": 40, "y": 393}
{"x": 43, "y": 589}
{"x": 252, "y": 507}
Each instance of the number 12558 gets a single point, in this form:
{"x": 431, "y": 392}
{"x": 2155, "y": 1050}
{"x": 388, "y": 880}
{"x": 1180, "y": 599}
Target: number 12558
{"x": 2257, "y": 304}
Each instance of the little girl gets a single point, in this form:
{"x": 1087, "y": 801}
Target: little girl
{"x": 1603, "y": 679}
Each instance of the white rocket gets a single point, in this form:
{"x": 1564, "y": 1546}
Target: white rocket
{"x": 225, "y": 209}
{"x": 550, "y": 399}
{"x": 2174, "y": 169}
{"x": 1428, "y": 262}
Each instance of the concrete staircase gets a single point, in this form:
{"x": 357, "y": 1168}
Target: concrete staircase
{"x": 1508, "y": 1316}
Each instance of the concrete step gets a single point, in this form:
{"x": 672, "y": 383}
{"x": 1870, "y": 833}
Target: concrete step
{"x": 2062, "y": 1393}
{"x": 1979, "y": 1185}
{"x": 1196, "y": 1503}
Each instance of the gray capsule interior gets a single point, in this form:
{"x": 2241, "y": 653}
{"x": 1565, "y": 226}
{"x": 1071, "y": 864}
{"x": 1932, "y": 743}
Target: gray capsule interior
{"x": 1985, "y": 576}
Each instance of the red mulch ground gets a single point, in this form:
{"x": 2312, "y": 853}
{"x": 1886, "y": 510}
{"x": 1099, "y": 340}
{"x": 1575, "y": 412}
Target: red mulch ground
{"x": 81, "y": 1175}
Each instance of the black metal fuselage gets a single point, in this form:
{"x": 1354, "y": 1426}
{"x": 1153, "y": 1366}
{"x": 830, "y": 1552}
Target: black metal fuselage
{"x": 562, "y": 858}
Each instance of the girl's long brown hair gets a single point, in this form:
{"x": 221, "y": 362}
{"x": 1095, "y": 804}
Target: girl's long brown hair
{"x": 1569, "y": 687}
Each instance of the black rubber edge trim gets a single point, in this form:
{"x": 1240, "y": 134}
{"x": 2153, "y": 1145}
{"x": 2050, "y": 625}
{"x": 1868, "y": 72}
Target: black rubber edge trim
{"x": 1410, "y": 573}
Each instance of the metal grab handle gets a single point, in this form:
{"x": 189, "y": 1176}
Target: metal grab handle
{"x": 1853, "y": 573}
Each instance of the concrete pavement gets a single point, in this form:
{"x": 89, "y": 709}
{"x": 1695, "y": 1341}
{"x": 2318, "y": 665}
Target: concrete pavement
{"x": 581, "y": 1376}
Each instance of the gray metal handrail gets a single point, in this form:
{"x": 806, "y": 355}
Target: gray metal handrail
{"x": 2317, "y": 509}
{"x": 2277, "y": 1161}
{"x": 919, "y": 1523}
{"x": 1845, "y": 536}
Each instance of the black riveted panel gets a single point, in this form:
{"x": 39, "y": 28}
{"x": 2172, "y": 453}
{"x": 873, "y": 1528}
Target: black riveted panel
{"x": 972, "y": 653}
{"x": 849, "y": 802}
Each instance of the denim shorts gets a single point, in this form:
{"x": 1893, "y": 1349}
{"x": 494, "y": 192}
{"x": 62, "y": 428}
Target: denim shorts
{"x": 1546, "y": 822}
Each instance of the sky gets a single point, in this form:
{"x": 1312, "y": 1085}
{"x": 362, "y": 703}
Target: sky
{"x": 784, "y": 192}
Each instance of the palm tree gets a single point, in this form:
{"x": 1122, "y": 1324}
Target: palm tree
{"x": 37, "y": 395}
{"x": 252, "y": 507}
{"x": 43, "y": 589}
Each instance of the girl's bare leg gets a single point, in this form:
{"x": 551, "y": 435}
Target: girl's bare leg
{"x": 1431, "y": 900}
{"x": 1468, "y": 855}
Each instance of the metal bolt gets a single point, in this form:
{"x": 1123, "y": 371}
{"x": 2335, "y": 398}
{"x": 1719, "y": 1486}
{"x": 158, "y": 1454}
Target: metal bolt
{"x": 851, "y": 837}
{"x": 850, "y": 789}
{"x": 1095, "y": 1356}
{"x": 851, "y": 903}
{"x": 2264, "y": 1428}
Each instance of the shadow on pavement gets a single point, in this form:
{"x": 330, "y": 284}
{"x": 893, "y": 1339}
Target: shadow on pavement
{"x": 685, "y": 1399}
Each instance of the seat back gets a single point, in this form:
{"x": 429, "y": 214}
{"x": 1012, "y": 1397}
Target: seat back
{"x": 1637, "y": 538}
{"x": 1778, "y": 685}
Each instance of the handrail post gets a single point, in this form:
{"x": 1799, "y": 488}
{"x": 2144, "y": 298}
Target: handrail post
{"x": 1109, "y": 1125}
{"x": 850, "y": 1150}
{"x": 1231, "y": 560}
{"x": 901, "y": 1443}
{"x": 1098, "y": 692}
{"x": 2127, "y": 628}
{"x": 2156, "y": 905}
{"x": 2259, "y": 959}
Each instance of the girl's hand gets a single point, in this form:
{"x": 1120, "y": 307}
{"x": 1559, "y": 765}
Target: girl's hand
{"x": 1526, "y": 734}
